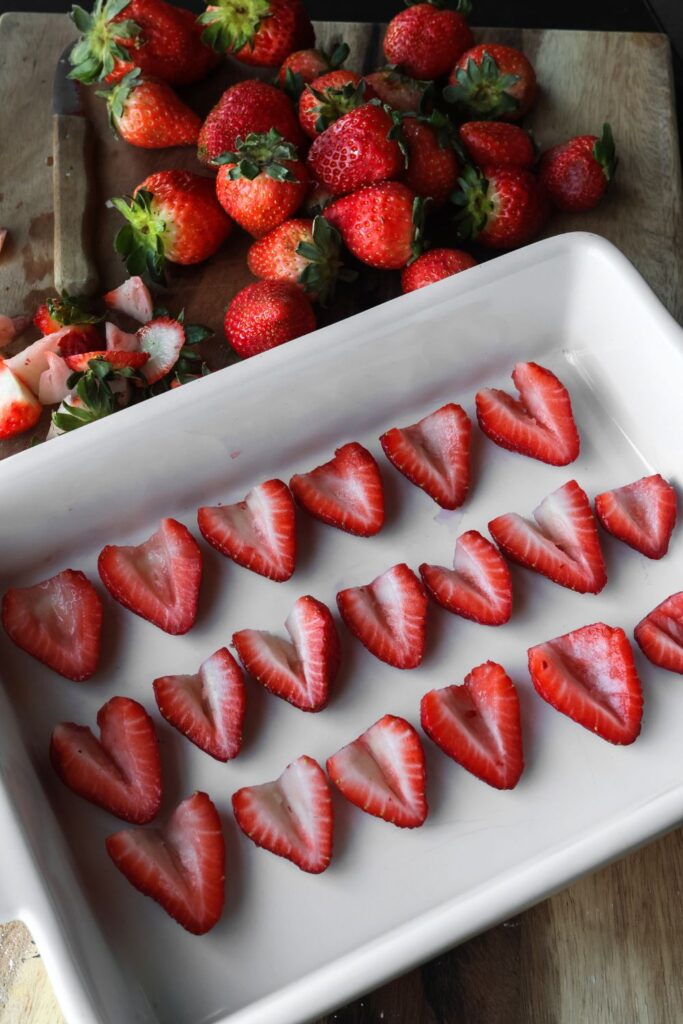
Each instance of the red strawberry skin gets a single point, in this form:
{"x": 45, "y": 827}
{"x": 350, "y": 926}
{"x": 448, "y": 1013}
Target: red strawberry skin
{"x": 196, "y": 225}
{"x": 433, "y": 168}
{"x": 479, "y": 725}
{"x": 660, "y": 634}
{"x": 267, "y": 314}
{"x": 434, "y": 265}
{"x": 356, "y": 151}
{"x": 590, "y": 676}
{"x": 345, "y": 492}
{"x": 260, "y": 204}
{"x": 383, "y": 772}
{"x": 250, "y": 106}
{"x": 376, "y": 224}
{"x": 303, "y": 670}
{"x": 388, "y": 616}
{"x": 331, "y": 85}
{"x": 641, "y": 514}
{"x": 285, "y": 28}
{"x": 306, "y": 64}
{"x": 57, "y": 621}
{"x": 158, "y": 580}
{"x": 80, "y": 363}
{"x": 425, "y": 41}
{"x": 572, "y": 175}
{"x": 434, "y": 454}
{"x": 540, "y": 424}
{"x": 207, "y": 707}
{"x": 182, "y": 867}
{"x": 519, "y": 208}
{"x": 153, "y": 117}
{"x": 121, "y": 771}
{"x": 81, "y": 338}
{"x": 292, "y": 817}
{"x": 479, "y": 586}
{"x": 564, "y": 546}
{"x": 258, "y": 533}
{"x": 496, "y": 143}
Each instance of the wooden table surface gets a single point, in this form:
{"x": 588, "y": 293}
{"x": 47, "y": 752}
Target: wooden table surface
{"x": 607, "y": 949}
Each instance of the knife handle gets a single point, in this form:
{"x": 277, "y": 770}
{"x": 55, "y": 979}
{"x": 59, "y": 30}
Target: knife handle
{"x": 74, "y": 269}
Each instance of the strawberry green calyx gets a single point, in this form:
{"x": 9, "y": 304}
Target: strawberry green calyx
{"x": 118, "y": 95}
{"x": 418, "y": 244}
{"x": 65, "y": 310}
{"x": 473, "y": 202}
{"x": 482, "y": 90}
{"x": 233, "y": 24}
{"x": 334, "y": 103}
{"x": 324, "y": 267}
{"x": 102, "y": 43}
{"x": 605, "y": 152}
{"x": 96, "y": 398}
{"x": 256, "y": 154}
{"x": 141, "y": 240}
{"x": 397, "y": 134}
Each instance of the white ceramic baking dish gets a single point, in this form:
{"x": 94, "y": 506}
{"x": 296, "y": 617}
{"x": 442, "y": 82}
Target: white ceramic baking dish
{"x": 290, "y": 945}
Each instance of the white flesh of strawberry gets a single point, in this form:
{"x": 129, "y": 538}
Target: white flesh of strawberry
{"x": 32, "y": 361}
{"x": 163, "y": 342}
{"x": 119, "y": 341}
{"x": 132, "y": 298}
{"x": 14, "y": 395}
{"x": 52, "y": 384}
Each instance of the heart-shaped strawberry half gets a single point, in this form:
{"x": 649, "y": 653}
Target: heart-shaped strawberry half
{"x": 121, "y": 771}
{"x": 181, "y": 866}
{"x": 478, "y": 587}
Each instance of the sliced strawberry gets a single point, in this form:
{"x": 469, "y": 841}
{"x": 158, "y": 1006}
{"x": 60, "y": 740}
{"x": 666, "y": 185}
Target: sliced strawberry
{"x": 58, "y": 621}
{"x": 300, "y": 671}
{"x": 182, "y": 866}
{"x": 642, "y": 514}
{"x": 478, "y": 724}
{"x": 564, "y": 546}
{"x": 162, "y": 340}
{"x": 52, "y": 387}
{"x": 258, "y": 533}
{"x": 589, "y": 675}
{"x": 539, "y": 424}
{"x": 19, "y": 408}
{"x": 207, "y": 707}
{"x": 118, "y": 360}
{"x": 132, "y": 298}
{"x": 383, "y": 772}
{"x": 119, "y": 341}
{"x": 660, "y": 634}
{"x": 388, "y": 616}
{"x": 478, "y": 587}
{"x": 345, "y": 492}
{"x": 292, "y": 817}
{"x": 121, "y": 771}
{"x": 158, "y": 580}
{"x": 434, "y": 454}
{"x": 31, "y": 362}
{"x": 78, "y": 338}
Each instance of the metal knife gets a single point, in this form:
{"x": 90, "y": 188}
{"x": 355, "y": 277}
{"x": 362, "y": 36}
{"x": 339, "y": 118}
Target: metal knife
{"x": 74, "y": 269}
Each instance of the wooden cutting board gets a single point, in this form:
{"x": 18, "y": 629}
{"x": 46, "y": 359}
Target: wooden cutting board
{"x": 606, "y": 949}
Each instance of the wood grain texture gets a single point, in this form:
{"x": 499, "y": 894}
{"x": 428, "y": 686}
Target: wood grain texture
{"x": 74, "y": 269}
{"x": 607, "y": 949}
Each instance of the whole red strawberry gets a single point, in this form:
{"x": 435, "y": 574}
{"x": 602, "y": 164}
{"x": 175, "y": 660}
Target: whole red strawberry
{"x": 148, "y": 113}
{"x": 304, "y": 66}
{"x": 576, "y": 173}
{"x": 257, "y": 32}
{"x": 500, "y": 207}
{"x": 380, "y": 224}
{"x": 267, "y": 314}
{"x": 247, "y": 107}
{"x": 162, "y": 40}
{"x": 329, "y": 97}
{"x": 433, "y": 167}
{"x": 262, "y": 183}
{"x": 303, "y": 251}
{"x": 356, "y": 150}
{"x": 434, "y": 266}
{"x": 425, "y": 41}
{"x": 401, "y": 92}
{"x": 492, "y": 82}
{"x": 173, "y": 215}
{"x": 497, "y": 142}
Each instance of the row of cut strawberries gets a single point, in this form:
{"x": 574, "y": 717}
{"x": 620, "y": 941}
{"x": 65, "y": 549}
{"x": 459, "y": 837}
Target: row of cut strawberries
{"x": 588, "y": 674}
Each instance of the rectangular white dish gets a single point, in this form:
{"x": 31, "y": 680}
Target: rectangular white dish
{"x": 291, "y": 946}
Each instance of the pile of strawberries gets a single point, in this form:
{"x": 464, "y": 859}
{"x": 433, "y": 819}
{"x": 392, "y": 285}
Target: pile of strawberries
{"x": 321, "y": 166}
{"x": 588, "y": 674}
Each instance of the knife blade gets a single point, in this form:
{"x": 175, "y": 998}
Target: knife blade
{"x": 74, "y": 268}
